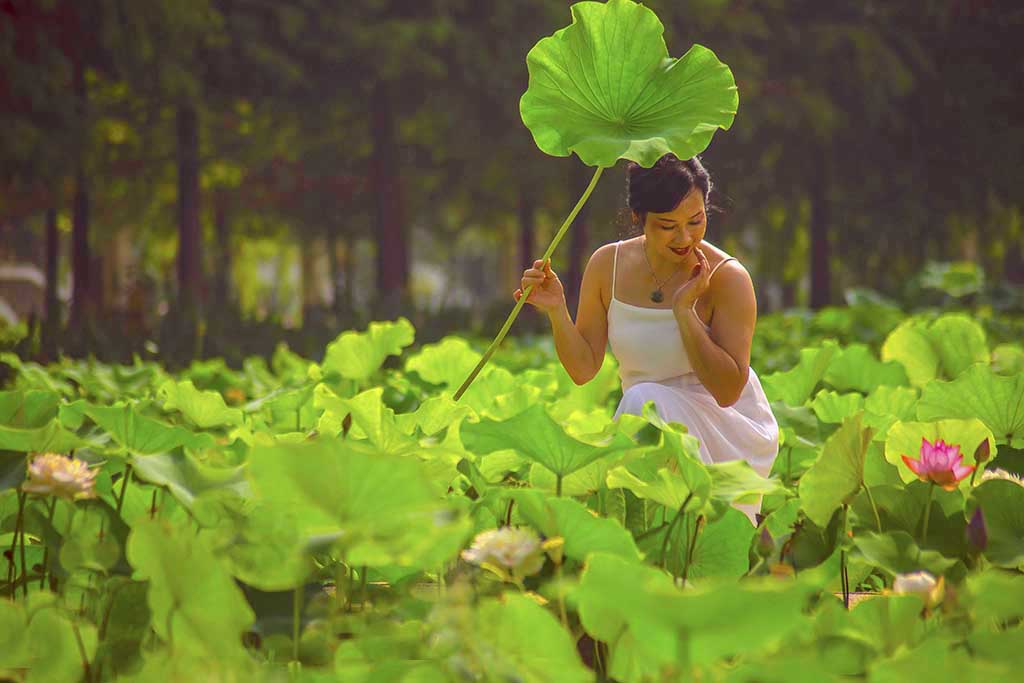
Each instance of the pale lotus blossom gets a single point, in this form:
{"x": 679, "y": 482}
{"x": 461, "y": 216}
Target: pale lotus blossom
{"x": 52, "y": 474}
{"x": 997, "y": 473}
{"x": 512, "y": 549}
{"x": 922, "y": 584}
{"x": 940, "y": 464}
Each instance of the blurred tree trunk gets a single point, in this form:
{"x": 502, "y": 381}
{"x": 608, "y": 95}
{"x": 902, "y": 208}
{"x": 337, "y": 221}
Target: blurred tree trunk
{"x": 222, "y": 273}
{"x": 527, "y": 208}
{"x": 52, "y": 323}
{"x": 81, "y": 306}
{"x": 392, "y": 249}
{"x": 821, "y": 251}
{"x": 579, "y": 238}
{"x": 189, "y": 235}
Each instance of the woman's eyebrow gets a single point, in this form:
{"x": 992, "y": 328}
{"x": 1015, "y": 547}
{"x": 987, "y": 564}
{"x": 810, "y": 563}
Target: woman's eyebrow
{"x": 669, "y": 220}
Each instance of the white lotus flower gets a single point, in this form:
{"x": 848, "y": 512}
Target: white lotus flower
{"x": 922, "y": 584}
{"x": 513, "y": 549}
{"x": 52, "y": 474}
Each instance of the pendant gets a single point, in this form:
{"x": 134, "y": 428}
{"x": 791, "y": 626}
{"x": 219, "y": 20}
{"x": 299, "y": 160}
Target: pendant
{"x": 656, "y": 296}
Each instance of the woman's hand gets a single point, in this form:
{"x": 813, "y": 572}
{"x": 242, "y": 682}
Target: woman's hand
{"x": 694, "y": 288}
{"x": 547, "y": 293}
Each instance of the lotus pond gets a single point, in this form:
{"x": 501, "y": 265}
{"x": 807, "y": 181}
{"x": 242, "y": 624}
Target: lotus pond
{"x": 347, "y": 520}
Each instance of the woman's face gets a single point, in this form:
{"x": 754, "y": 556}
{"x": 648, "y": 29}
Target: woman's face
{"x": 672, "y": 236}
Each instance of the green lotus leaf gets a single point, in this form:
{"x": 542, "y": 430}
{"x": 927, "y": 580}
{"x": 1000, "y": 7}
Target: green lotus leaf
{"x": 380, "y": 509}
{"x": 372, "y": 419}
{"x": 446, "y": 362}
{"x": 856, "y": 368}
{"x": 910, "y": 344}
{"x": 832, "y": 407}
{"x": 720, "y": 550}
{"x": 205, "y": 409}
{"x": 583, "y": 482}
{"x": 433, "y": 415}
{"x": 537, "y": 437}
{"x": 135, "y": 433}
{"x": 996, "y": 400}
{"x": 584, "y": 533}
{"x": 1008, "y": 359}
{"x": 905, "y": 439}
{"x": 605, "y": 89}
{"x": 735, "y": 481}
{"x": 622, "y": 602}
{"x": 937, "y": 660}
{"x": 839, "y": 472}
{"x": 186, "y": 476}
{"x": 897, "y": 553}
{"x": 195, "y": 602}
{"x": 942, "y": 350}
{"x": 959, "y": 342}
{"x": 996, "y": 597}
{"x": 525, "y": 643}
{"x": 28, "y": 409}
{"x": 886, "y": 405}
{"x": 1002, "y": 503}
{"x": 50, "y": 438}
{"x": 797, "y": 385}
{"x": 901, "y": 508}
{"x": 357, "y": 355}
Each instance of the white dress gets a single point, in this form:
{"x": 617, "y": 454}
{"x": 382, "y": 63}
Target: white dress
{"x": 653, "y": 365}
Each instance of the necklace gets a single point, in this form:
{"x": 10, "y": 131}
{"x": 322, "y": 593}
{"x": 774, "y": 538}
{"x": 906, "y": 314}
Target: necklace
{"x": 656, "y": 295}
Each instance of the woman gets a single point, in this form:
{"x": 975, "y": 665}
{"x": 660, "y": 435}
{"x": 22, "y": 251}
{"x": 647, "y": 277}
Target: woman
{"x": 679, "y": 313}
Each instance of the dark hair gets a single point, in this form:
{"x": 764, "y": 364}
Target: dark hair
{"x": 660, "y": 188}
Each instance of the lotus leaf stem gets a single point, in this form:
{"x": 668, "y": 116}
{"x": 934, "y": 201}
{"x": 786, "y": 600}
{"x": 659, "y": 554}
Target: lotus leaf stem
{"x": 874, "y": 508}
{"x": 526, "y": 294}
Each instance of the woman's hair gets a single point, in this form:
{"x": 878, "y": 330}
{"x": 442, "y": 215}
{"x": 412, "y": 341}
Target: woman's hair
{"x": 660, "y": 188}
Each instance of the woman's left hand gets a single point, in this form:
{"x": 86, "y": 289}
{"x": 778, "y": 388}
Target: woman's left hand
{"x": 694, "y": 288}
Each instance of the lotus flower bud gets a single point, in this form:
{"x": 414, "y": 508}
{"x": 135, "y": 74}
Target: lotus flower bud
{"x": 765, "y": 543}
{"x": 982, "y": 452}
{"x": 977, "y": 534}
{"x": 52, "y": 474}
{"x": 921, "y": 584}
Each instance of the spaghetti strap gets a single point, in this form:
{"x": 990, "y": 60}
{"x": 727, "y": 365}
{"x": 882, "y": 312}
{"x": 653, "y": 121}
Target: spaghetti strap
{"x": 731, "y": 258}
{"x": 615, "y": 263}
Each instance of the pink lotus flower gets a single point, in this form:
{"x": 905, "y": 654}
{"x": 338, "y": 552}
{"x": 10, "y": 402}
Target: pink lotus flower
{"x": 940, "y": 463}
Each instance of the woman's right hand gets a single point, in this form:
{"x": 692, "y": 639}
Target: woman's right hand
{"x": 547, "y": 293}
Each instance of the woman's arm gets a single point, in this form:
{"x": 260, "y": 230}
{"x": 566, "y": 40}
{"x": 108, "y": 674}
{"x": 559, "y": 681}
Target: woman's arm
{"x": 581, "y": 346}
{"x": 721, "y": 358}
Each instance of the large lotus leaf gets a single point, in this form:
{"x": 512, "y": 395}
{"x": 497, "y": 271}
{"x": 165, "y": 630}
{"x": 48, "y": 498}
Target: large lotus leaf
{"x": 996, "y": 400}
{"x": 40, "y": 642}
{"x": 670, "y": 630}
{"x": 433, "y": 415}
{"x": 797, "y": 385}
{"x": 135, "y": 433}
{"x": 886, "y": 405}
{"x": 910, "y": 344}
{"x": 583, "y": 482}
{"x": 856, "y": 368}
{"x": 995, "y": 597}
{"x": 498, "y": 394}
{"x": 905, "y": 439}
{"x": 186, "y": 476}
{"x": 937, "y": 660}
{"x": 832, "y": 407}
{"x": 839, "y": 472}
{"x": 878, "y": 470}
{"x": 259, "y": 542}
{"x": 584, "y": 397}
{"x": 605, "y": 88}
{"x": 1008, "y": 359}
{"x": 1002, "y": 503}
{"x": 34, "y": 376}
{"x": 205, "y": 409}
{"x": 357, "y": 355}
{"x": 381, "y": 509}
{"x": 584, "y": 533}
{"x": 28, "y": 409}
{"x": 897, "y": 553}
{"x": 959, "y": 342}
{"x": 539, "y": 438}
{"x": 285, "y": 410}
{"x": 194, "y": 601}
{"x": 371, "y": 418}
{"x": 50, "y": 438}
{"x": 901, "y": 508}
{"x": 88, "y": 543}
{"x": 524, "y": 643}
{"x": 720, "y": 550}
{"x": 735, "y": 481}
{"x": 446, "y": 362}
